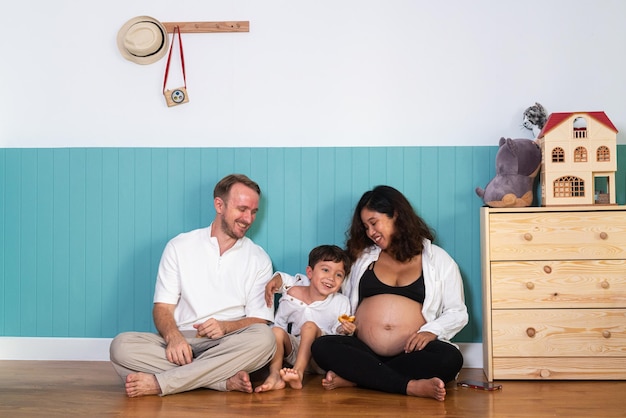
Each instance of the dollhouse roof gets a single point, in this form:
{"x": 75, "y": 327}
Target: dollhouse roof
{"x": 556, "y": 119}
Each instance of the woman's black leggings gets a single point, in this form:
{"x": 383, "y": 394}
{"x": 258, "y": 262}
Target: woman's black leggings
{"x": 354, "y": 361}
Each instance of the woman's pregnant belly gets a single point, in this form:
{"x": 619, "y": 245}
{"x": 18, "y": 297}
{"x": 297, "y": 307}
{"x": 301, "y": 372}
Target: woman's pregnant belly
{"x": 385, "y": 322}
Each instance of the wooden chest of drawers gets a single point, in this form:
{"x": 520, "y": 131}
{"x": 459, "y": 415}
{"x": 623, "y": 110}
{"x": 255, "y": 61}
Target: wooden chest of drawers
{"x": 554, "y": 292}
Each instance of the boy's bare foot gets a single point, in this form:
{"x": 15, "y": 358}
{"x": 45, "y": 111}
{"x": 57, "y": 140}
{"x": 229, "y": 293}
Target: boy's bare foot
{"x": 273, "y": 382}
{"x": 141, "y": 384}
{"x": 333, "y": 381}
{"x": 239, "y": 382}
{"x": 292, "y": 377}
{"x": 427, "y": 388}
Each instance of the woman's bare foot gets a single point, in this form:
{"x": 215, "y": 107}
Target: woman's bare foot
{"x": 427, "y": 388}
{"x": 273, "y": 382}
{"x": 333, "y": 381}
{"x": 141, "y": 384}
{"x": 239, "y": 382}
{"x": 292, "y": 377}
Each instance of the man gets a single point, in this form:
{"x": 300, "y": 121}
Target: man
{"x": 209, "y": 306}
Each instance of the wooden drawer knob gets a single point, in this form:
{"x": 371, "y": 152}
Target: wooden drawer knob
{"x": 530, "y": 285}
{"x": 606, "y": 334}
{"x": 604, "y": 235}
{"x": 547, "y": 269}
{"x": 605, "y": 284}
{"x": 531, "y": 332}
{"x": 544, "y": 373}
{"x": 528, "y": 236}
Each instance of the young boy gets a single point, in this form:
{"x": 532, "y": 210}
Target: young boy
{"x": 312, "y": 311}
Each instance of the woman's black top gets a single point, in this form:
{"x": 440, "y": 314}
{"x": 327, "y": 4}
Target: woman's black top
{"x": 370, "y": 285}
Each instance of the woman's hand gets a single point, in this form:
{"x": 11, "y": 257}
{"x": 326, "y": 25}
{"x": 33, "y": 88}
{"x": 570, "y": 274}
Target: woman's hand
{"x": 418, "y": 341}
{"x": 273, "y": 286}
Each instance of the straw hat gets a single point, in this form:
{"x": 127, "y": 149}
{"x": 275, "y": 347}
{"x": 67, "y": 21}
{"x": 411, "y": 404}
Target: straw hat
{"x": 143, "y": 40}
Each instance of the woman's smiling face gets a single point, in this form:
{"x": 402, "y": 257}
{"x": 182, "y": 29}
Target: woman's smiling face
{"x": 379, "y": 227}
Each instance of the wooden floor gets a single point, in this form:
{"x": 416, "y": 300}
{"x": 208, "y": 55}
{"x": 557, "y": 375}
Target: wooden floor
{"x": 92, "y": 389}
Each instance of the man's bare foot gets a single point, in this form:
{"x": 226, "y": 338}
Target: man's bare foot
{"x": 239, "y": 382}
{"x": 292, "y": 377}
{"x": 141, "y": 384}
{"x": 273, "y": 382}
{"x": 427, "y": 388}
{"x": 333, "y": 381}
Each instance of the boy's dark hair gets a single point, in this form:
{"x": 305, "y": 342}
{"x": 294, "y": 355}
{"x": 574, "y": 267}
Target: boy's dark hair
{"x": 330, "y": 253}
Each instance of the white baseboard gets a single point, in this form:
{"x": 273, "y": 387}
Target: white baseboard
{"x": 49, "y": 348}
{"x": 472, "y": 355}
{"x": 97, "y": 349}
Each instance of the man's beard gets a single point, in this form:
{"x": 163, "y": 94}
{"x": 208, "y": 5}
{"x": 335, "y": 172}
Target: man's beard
{"x": 229, "y": 231}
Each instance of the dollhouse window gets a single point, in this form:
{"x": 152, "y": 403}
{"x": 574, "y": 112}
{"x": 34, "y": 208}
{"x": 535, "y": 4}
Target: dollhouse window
{"x": 558, "y": 155}
{"x": 569, "y": 186}
{"x": 580, "y": 154}
{"x": 603, "y": 154}
{"x": 580, "y": 128}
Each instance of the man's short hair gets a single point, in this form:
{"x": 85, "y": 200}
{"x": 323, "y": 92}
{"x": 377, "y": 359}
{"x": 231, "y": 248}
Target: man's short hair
{"x": 222, "y": 188}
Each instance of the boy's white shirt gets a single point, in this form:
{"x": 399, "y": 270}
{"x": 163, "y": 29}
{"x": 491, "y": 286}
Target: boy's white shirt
{"x": 325, "y": 313}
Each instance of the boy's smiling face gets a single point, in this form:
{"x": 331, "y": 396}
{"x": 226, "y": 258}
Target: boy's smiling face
{"x": 326, "y": 277}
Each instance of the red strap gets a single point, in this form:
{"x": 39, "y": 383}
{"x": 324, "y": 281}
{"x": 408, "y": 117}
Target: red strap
{"x": 169, "y": 57}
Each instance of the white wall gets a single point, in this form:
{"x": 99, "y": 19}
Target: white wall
{"x": 309, "y": 73}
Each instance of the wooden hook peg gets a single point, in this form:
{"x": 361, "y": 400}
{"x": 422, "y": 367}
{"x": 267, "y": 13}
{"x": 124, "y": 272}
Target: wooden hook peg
{"x": 208, "y": 27}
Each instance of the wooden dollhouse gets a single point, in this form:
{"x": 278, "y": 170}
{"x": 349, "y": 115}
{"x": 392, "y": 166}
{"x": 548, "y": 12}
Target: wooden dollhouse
{"x": 579, "y": 159}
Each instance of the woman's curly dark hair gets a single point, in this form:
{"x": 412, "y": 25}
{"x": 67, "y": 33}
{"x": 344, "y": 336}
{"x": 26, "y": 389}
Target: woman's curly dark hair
{"x": 410, "y": 229}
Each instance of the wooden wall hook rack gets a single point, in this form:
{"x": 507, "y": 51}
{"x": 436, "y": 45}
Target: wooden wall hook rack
{"x": 208, "y": 27}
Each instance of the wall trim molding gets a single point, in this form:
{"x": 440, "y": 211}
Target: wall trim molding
{"x": 97, "y": 349}
{"x": 54, "y": 348}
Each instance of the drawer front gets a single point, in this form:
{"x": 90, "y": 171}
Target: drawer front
{"x": 558, "y": 284}
{"x": 557, "y": 236}
{"x": 607, "y": 368}
{"x": 559, "y": 333}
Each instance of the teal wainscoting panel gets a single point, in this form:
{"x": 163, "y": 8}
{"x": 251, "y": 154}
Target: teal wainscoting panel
{"x": 60, "y": 242}
{"x": 9, "y": 271}
{"x": 110, "y": 249}
{"x": 28, "y": 240}
{"x": 82, "y": 229}
{"x": 44, "y": 260}
{"x": 79, "y": 242}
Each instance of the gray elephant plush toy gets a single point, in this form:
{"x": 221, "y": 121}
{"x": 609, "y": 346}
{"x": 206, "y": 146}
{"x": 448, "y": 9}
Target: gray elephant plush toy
{"x": 517, "y": 163}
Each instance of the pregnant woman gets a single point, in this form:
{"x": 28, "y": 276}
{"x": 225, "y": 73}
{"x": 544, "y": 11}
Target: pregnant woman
{"x": 407, "y": 296}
